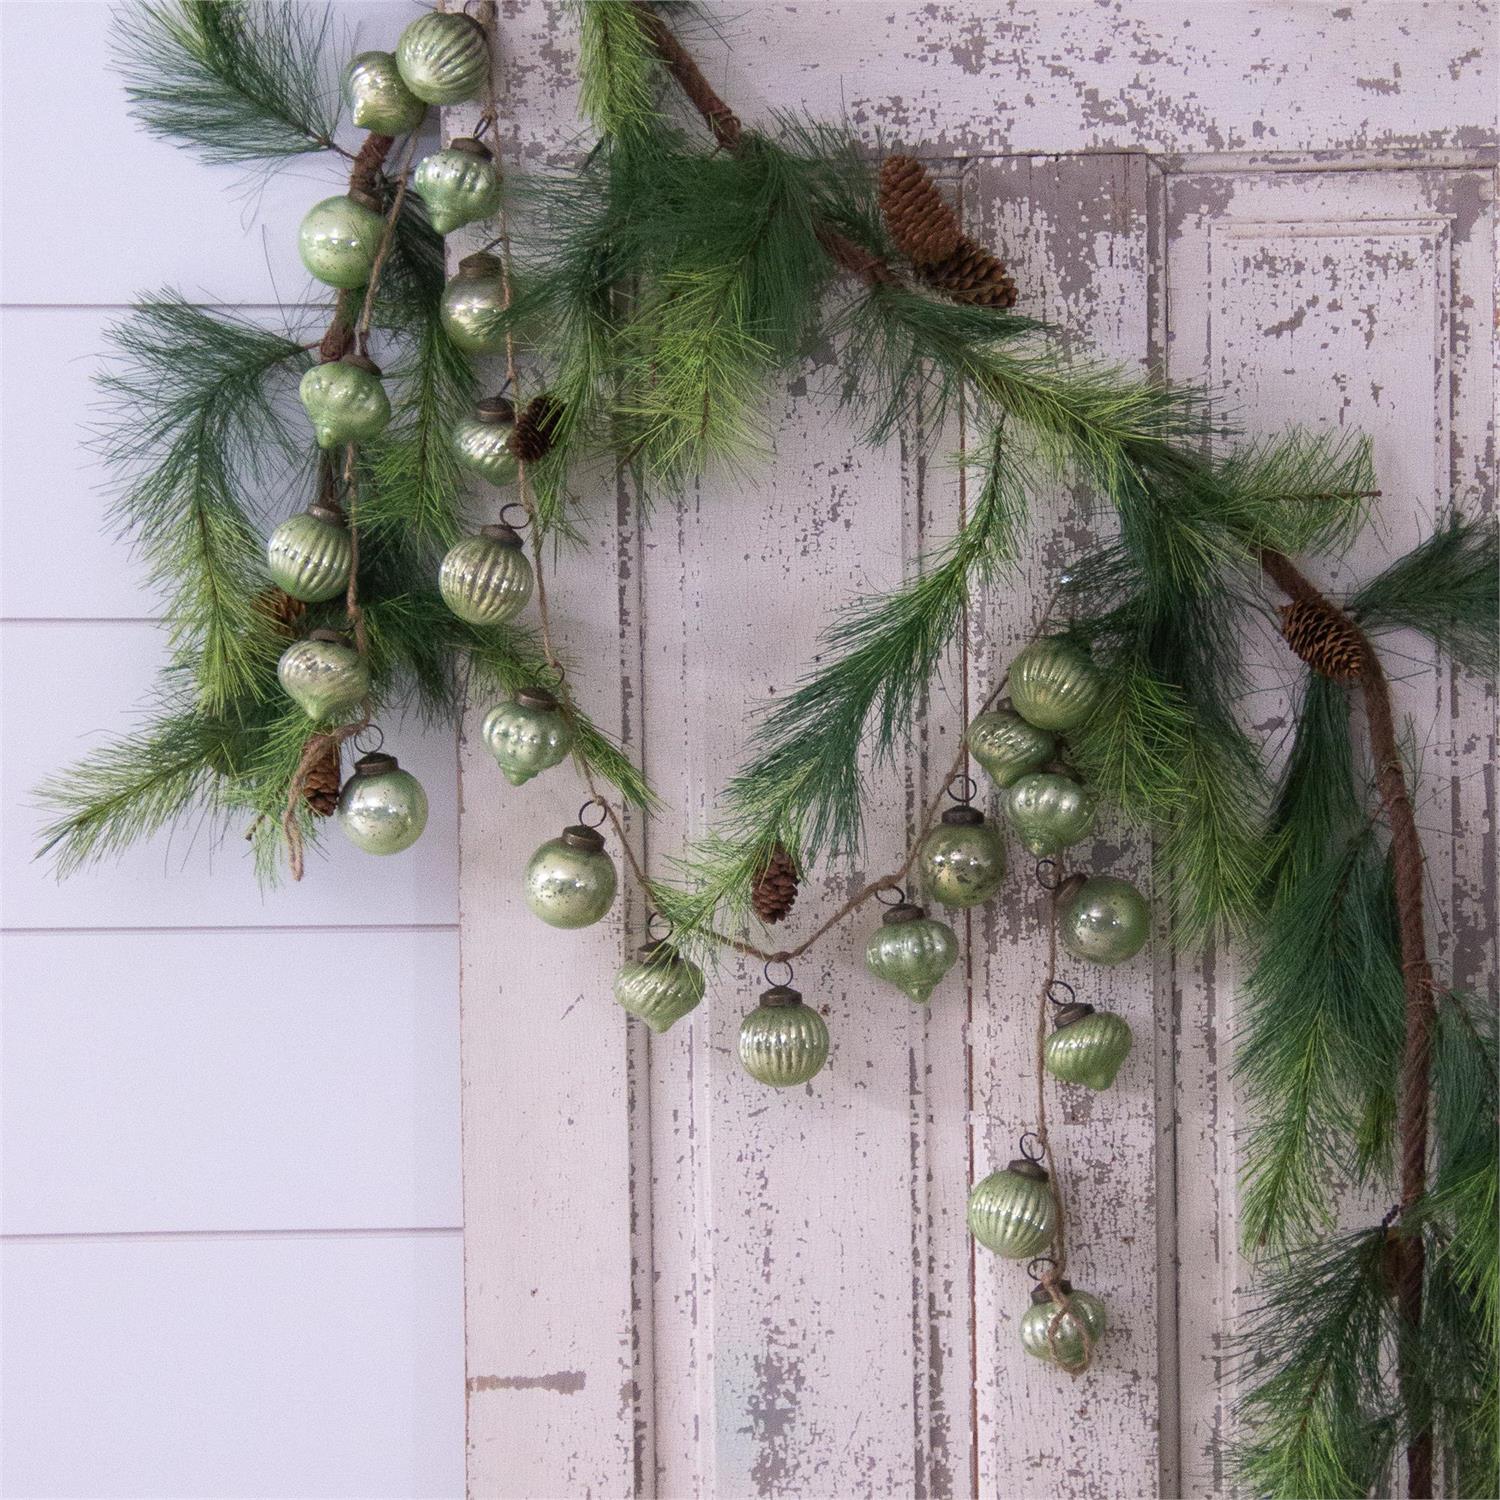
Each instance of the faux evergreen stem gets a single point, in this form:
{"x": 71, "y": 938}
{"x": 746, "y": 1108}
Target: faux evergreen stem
{"x": 1421, "y": 1004}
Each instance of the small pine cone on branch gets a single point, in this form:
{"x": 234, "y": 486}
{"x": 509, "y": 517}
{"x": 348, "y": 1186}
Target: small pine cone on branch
{"x": 531, "y": 438}
{"x": 921, "y": 223}
{"x": 775, "y": 889}
{"x": 1327, "y": 640}
{"x": 972, "y": 275}
{"x": 284, "y": 612}
{"x": 320, "y": 787}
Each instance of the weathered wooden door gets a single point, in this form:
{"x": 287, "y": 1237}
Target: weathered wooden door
{"x": 679, "y": 1284}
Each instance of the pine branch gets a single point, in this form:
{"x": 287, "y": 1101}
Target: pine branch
{"x": 618, "y": 71}
{"x": 235, "y": 82}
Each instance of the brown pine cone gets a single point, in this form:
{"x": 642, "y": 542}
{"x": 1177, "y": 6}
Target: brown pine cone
{"x": 971, "y": 274}
{"x": 531, "y": 438}
{"x": 775, "y": 888}
{"x": 920, "y": 221}
{"x": 1327, "y": 640}
{"x": 320, "y": 787}
{"x": 284, "y": 612}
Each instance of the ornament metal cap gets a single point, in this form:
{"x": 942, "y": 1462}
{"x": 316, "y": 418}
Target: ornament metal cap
{"x": 781, "y": 994}
{"x": 471, "y": 146}
{"x": 361, "y": 362}
{"x": 1041, "y": 1292}
{"x": 325, "y": 512}
{"x": 581, "y": 836}
{"x": 1070, "y": 885}
{"x": 365, "y": 199}
{"x": 660, "y": 951}
{"x": 536, "y": 697}
{"x": 1023, "y": 1166}
{"x": 965, "y": 815}
{"x": 903, "y": 911}
{"x": 481, "y": 263}
{"x": 497, "y": 409}
{"x": 1068, "y": 1014}
{"x": 324, "y": 634}
{"x": 376, "y": 763}
{"x": 507, "y": 536}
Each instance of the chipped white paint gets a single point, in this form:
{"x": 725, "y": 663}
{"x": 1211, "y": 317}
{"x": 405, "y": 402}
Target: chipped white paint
{"x": 681, "y": 1284}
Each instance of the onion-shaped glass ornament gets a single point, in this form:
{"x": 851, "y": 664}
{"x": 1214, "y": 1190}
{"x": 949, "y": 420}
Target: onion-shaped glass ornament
{"x": 485, "y": 579}
{"x": 382, "y": 809}
{"x": 324, "y": 676}
{"x": 1007, "y": 746}
{"x": 309, "y": 556}
{"x": 1088, "y": 1046}
{"x": 472, "y": 309}
{"x": 345, "y": 401}
{"x": 459, "y": 184}
{"x": 527, "y": 735}
{"x": 1013, "y": 1212}
{"x": 1049, "y": 812}
{"x": 1054, "y": 685}
{"x": 782, "y": 1041}
{"x": 661, "y": 986}
{"x": 481, "y": 443}
{"x": 911, "y": 951}
{"x": 570, "y": 880}
{"x": 377, "y": 98}
{"x": 1105, "y": 920}
{"x": 962, "y": 859}
{"x": 1065, "y": 1343}
{"x": 444, "y": 57}
{"x": 340, "y": 238}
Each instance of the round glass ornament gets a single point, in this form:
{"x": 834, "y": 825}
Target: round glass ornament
{"x": 1104, "y": 920}
{"x": 324, "y": 676}
{"x": 570, "y": 881}
{"x": 309, "y": 556}
{"x": 527, "y": 735}
{"x": 472, "y": 308}
{"x": 486, "y": 579}
{"x": 481, "y": 443}
{"x": 339, "y": 239}
{"x": 1066, "y": 1346}
{"x": 345, "y": 400}
{"x": 1013, "y": 1212}
{"x": 1054, "y": 685}
{"x": 1007, "y": 746}
{"x": 459, "y": 184}
{"x": 382, "y": 809}
{"x": 378, "y": 100}
{"x": 444, "y": 57}
{"x": 1049, "y": 812}
{"x": 1088, "y": 1046}
{"x": 963, "y": 859}
{"x": 782, "y": 1041}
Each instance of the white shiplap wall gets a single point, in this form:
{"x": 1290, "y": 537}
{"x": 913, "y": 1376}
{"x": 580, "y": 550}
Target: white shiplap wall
{"x": 231, "y": 1207}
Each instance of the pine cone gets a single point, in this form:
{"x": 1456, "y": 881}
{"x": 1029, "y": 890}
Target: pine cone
{"x": 284, "y": 612}
{"x": 775, "y": 888}
{"x": 920, "y": 222}
{"x": 1327, "y": 640}
{"x": 531, "y": 438}
{"x": 320, "y": 787}
{"x": 971, "y": 274}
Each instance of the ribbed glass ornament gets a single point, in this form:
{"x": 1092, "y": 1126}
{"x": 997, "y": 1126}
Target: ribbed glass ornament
{"x": 459, "y": 184}
{"x": 1067, "y": 1346}
{"x": 570, "y": 881}
{"x": 911, "y": 951}
{"x": 1105, "y": 921}
{"x": 1007, "y": 746}
{"x": 660, "y": 986}
{"x": 1013, "y": 1212}
{"x": 345, "y": 400}
{"x": 528, "y": 735}
{"x": 444, "y": 57}
{"x": 486, "y": 579}
{"x": 339, "y": 239}
{"x": 378, "y": 100}
{"x": 481, "y": 443}
{"x": 323, "y": 676}
{"x": 1049, "y": 812}
{"x": 382, "y": 809}
{"x": 1054, "y": 685}
{"x": 472, "y": 308}
{"x": 962, "y": 860}
{"x": 1088, "y": 1047}
{"x": 309, "y": 556}
{"x": 782, "y": 1041}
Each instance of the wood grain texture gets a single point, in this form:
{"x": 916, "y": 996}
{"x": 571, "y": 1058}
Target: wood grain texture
{"x": 779, "y": 1290}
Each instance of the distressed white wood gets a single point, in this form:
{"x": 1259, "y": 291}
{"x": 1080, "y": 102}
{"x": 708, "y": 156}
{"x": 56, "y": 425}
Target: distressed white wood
{"x": 797, "y": 1308}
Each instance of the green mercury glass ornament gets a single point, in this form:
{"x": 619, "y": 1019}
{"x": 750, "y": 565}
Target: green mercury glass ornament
{"x": 1066, "y": 1346}
{"x": 324, "y": 676}
{"x": 570, "y": 880}
{"x": 459, "y": 184}
{"x": 527, "y": 735}
{"x": 345, "y": 401}
{"x": 911, "y": 951}
{"x": 340, "y": 238}
{"x": 472, "y": 309}
{"x": 444, "y": 57}
{"x": 382, "y": 809}
{"x": 1054, "y": 685}
{"x": 1049, "y": 812}
{"x": 660, "y": 987}
{"x": 1007, "y": 746}
{"x": 309, "y": 556}
{"x": 1103, "y": 920}
{"x": 481, "y": 443}
{"x": 486, "y": 579}
{"x": 962, "y": 859}
{"x": 377, "y": 98}
{"x": 1088, "y": 1046}
{"x": 782, "y": 1041}
{"x": 1013, "y": 1212}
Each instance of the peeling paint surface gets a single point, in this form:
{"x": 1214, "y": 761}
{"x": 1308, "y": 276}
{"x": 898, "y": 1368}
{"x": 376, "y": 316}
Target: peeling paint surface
{"x": 764, "y": 1294}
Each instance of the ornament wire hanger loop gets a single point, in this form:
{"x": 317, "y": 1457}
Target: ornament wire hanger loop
{"x": 1031, "y": 1147}
{"x": 654, "y": 919}
{"x": 361, "y": 740}
{"x": 595, "y": 802}
{"x": 1060, "y": 984}
{"x": 766, "y": 972}
{"x": 897, "y": 893}
{"x": 968, "y": 783}
{"x": 1048, "y": 876}
{"x": 1041, "y": 1260}
{"x": 552, "y": 672}
{"x": 514, "y": 505}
